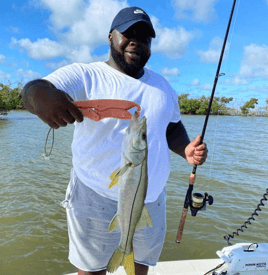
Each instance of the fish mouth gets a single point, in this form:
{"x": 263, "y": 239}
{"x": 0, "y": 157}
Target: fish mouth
{"x": 137, "y": 150}
{"x": 143, "y": 120}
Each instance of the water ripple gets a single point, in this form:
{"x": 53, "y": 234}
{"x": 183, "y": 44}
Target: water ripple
{"x": 33, "y": 229}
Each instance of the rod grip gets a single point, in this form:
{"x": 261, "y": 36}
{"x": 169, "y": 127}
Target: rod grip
{"x": 185, "y": 209}
{"x": 181, "y": 225}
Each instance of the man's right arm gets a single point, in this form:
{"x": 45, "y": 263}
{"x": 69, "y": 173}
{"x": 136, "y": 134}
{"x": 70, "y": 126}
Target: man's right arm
{"x": 53, "y": 106}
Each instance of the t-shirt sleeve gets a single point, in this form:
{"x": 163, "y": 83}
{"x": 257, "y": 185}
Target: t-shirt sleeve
{"x": 176, "y": 117}
{"x": 69, "y": 79}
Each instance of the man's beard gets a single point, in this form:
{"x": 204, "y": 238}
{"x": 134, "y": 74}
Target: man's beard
{"x": 133, "y": 69}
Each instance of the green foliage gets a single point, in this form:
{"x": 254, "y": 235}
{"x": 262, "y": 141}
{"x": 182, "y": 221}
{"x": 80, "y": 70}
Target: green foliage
{"x": 199, "y": 106}
{"x": 249, "y": 104}
{"x": 10, "y": 99}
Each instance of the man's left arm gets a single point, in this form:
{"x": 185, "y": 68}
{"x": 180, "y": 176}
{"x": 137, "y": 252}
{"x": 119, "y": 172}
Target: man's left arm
{"x": 179, "y": 142}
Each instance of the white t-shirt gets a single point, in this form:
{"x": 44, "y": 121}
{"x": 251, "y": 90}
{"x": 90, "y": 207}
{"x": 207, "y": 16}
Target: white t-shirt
{"x": 96, "y": 146}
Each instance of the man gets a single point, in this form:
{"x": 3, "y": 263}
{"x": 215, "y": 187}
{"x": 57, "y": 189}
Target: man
{"x": 96, "y": 146}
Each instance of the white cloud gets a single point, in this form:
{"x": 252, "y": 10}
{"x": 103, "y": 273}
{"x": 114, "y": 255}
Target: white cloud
{"x": 95, "y": 26}
{"x": 2, "y": 58}
{"x": 254, "y": 62}
{"x": 259, "y": 88}
{"x": 212, "y": 55}
{"x": 205, "y": 87}
{"x": 172, "y": 43}
{"x": 64, "y": 14}
{"x": 81, "y": 26}
{"x": 4, "y": 76}
{"x": 83, "y": 54}
{"x": 41, "y": 49}
{"x": 56, "y": 65}
{"x": 83, "y": 22}
{"x": 195, "y": 10}
{"x": 195, "y": 82}
{"x": 26, "y": 75}
{"x": 236, "y": 80}
{"x": 173, "y": 71}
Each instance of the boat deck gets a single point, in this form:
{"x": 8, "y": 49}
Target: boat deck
{"x": 189, "y": 267}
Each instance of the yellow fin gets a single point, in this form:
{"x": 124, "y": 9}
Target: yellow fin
{"x": 129, "y": 264}
{"x": 114, "y": 182}
{"x": 120, "y": 258}
{"x": 114, "y": 224}
{"x": 114, "y": 178}
{"x": 144, "y": 219}
{"x": 124, "y": 169}
{"x": 116, "y": 260}
{"x": 116, "y": 174}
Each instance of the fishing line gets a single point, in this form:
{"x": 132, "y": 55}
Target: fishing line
{"x": 265, "y": 195}
{"x": 225, "y": 65}
{"x": 48, "y": 154}
{"x": 188, "y": 198}
{"x": 213, "y": 148}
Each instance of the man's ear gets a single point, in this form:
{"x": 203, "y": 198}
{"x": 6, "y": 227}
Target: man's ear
{"x": 110, "y": 39}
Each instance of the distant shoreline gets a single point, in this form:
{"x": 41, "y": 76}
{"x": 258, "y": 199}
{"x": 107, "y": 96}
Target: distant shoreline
{"x": 232, "y": 113}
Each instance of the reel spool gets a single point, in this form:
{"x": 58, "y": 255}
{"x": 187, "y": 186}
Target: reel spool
{"x": 199, "y": 202}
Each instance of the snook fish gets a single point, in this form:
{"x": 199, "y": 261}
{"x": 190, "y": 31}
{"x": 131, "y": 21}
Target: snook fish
{"x": 132, "y": 178}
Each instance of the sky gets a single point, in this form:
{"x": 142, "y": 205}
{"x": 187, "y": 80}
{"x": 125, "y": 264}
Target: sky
{"x": 40, "y": 36}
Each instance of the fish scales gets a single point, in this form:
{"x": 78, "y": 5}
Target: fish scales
{"x": 132, "y": 177}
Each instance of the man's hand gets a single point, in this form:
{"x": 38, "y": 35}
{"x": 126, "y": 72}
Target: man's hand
{"x": 195, "y": 153}
{"x": 51, "y": 105}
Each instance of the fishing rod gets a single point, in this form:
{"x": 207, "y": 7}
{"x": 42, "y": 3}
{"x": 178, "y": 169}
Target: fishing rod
{"x": 198, "y": 201}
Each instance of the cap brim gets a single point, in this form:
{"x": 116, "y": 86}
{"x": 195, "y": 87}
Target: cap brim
{"x": 124, "y": 27}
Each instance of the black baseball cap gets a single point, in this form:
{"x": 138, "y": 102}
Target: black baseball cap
{"x": 129, "y": 16}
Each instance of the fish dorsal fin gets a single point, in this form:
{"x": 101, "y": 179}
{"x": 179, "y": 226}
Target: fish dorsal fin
{"x": 144, "y": 219}
{"x": 114, "y": 224}
{"x": 117, "y": 173}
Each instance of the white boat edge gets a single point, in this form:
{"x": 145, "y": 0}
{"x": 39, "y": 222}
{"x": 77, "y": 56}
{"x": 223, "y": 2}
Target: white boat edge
{"x": 186, "y": 267}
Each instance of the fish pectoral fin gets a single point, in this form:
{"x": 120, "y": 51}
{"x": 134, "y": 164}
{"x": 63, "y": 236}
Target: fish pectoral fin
{"x": 114, "y": 182}
{"x": 144, "y": 219}
{"x": 114, "y": 224}
{"x": 114, "y": 178}
{"x": 116, "y": 174}
{"x": 124, "y": 169}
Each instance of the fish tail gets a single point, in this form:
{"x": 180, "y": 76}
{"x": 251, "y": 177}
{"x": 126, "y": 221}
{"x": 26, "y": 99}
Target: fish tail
{"x": 129, "y": 263}
{"x": 119, "y": 258}
{"x": 116, "y": 260}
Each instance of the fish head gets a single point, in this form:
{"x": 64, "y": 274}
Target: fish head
{"x": 135, "y": 140}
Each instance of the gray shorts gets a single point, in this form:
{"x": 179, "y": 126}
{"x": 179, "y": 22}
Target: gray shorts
{"x": 91, "y": 245}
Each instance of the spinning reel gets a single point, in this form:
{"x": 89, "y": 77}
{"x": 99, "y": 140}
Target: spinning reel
{"x": 196, "y": 202}
{"x": 199, "y": 202}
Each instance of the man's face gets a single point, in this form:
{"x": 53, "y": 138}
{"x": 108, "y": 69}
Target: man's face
{"x": 132, "y": 49}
